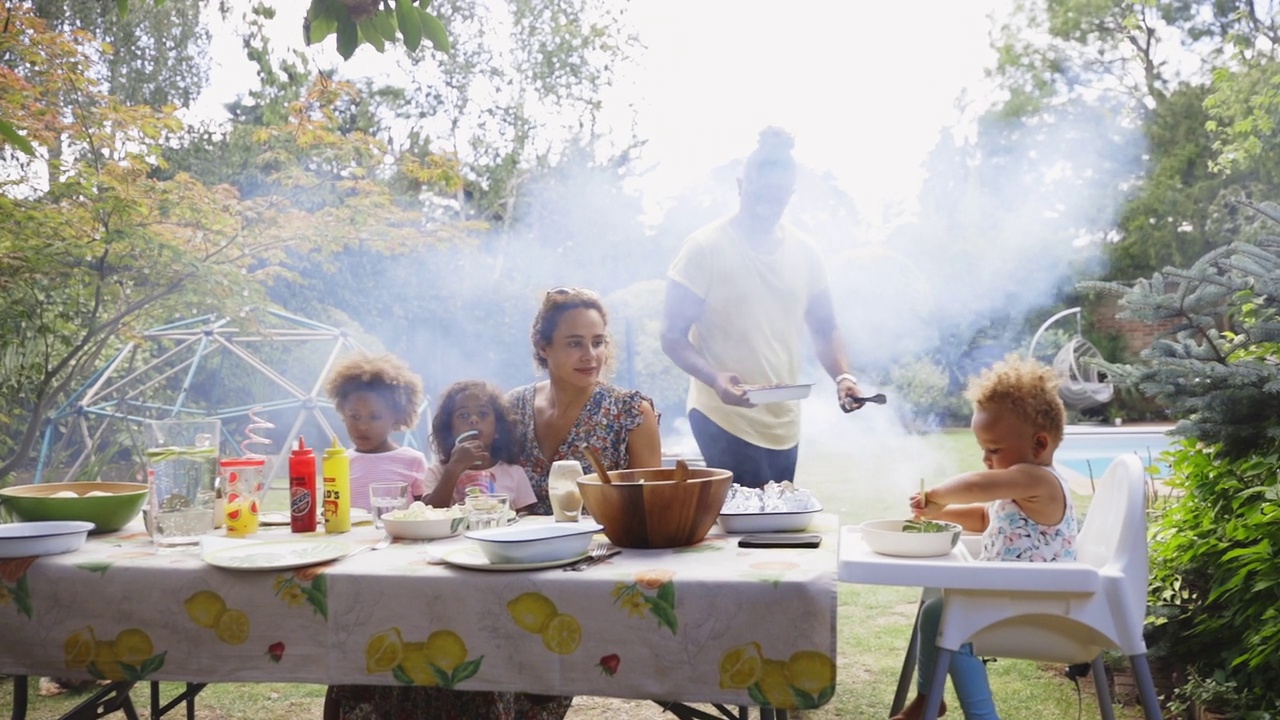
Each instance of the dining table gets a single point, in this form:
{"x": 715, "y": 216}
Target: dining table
{"x": 712, "y": 623}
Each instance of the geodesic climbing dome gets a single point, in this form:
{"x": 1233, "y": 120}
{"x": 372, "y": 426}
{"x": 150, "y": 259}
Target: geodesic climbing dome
{"x": 272, "y": 364}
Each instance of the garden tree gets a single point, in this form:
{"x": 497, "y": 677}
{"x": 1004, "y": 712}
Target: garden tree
{"x": 1158, "y": 58}
{"x": 100, "y": 248}
{"x": 157, "y": 54}
{"x": 507, "y": 105}
{"x": 504, "y": 132}
{"x": 353, "y": 22}
{"x": 1025, "y": 198}
{"x": 1245, "y": 103}
{"x": 1218, "y": 369}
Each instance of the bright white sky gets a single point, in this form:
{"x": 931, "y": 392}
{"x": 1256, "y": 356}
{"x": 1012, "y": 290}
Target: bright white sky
{"x": 865, "y": 87}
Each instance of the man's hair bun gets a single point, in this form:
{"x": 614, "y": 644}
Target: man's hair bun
{"x": 775, "y": 142}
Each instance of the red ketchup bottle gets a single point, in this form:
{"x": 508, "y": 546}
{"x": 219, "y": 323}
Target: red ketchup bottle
{"x": 302, "y": 489}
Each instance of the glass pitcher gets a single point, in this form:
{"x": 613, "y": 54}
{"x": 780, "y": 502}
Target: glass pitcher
{"x": 182, "y": 475}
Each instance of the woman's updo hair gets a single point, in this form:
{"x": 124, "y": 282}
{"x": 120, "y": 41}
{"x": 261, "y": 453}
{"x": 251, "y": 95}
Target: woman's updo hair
{"x": 557, "y": 302}
{"x": 772, "y": 153}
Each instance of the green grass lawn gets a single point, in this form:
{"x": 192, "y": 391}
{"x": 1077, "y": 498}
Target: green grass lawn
{"x": 858, "y": 476}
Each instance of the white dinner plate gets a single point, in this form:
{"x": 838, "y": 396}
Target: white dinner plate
{"x": 276, "y": 518}
{"x": 765, "y": 394}
{"x": 277, "y": 555}
{"x": 273, "y": 518}
{"x": 471, "y": 557}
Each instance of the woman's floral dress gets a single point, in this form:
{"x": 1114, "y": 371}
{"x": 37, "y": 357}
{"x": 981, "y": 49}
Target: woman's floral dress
{"x": 605, "y": 424}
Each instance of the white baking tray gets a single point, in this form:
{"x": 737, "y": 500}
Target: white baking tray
{"x": 764, "y": 394}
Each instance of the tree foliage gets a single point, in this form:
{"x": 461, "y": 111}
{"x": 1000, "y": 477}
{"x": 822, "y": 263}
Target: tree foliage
{"x": 1218, "y": 367}
{"x": 1214, "y": 575}
{"x": 374, "y": 22}
{"x": 1200, "y": 77}
{"x": 102, "y": 241}
{"x": 156, "y": 54}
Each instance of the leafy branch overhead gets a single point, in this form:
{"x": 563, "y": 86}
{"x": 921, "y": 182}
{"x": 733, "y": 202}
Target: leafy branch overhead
{"x": 376, "y": 22}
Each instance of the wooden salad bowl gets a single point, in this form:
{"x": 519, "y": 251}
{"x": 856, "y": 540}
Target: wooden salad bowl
{"x": 649, "y": 508}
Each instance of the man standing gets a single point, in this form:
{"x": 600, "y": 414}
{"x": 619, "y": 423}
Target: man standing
{"x": 737, "y": 297}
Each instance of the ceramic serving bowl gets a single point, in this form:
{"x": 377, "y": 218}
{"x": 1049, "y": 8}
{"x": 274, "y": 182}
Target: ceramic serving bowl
{"x": 108, "y": 505}
{"x": 44, "y": 537}
{"x": 889, "y": 537}
{"x": 534, "y": 543}
{"x": 646, "y": 508}
{"x": 424, "y": 528}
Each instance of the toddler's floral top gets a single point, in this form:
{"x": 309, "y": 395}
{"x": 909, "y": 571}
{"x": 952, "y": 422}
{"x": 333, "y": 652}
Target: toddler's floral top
{"x": 1011, "y": 536}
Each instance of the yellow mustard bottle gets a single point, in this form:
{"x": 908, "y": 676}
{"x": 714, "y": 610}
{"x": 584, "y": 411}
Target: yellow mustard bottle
{"x": 337, "y": 489}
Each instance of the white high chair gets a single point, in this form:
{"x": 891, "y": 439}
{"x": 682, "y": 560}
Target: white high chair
{"x": 1035, "y": 612}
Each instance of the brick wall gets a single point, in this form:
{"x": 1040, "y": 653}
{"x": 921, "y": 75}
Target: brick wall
{"x": 1101, "y": 315}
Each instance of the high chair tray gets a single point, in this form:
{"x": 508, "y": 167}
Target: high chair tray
{"x": 958, "y": 570}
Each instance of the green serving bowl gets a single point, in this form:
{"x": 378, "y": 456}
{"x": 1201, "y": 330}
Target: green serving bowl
{"x": 108, "y": 512}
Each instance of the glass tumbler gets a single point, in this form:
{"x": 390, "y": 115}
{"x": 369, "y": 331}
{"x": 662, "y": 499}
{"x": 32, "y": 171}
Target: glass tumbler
{"x": 487, "y": 510}
{"x": 385, "y": 497}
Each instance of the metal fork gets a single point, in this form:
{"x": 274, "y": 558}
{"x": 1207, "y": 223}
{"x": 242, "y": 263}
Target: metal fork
{"x": 385, "y": 541}
{"x": 599, "y": 553}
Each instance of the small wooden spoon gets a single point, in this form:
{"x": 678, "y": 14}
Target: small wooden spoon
{"x": 682, "y": 471}
{"x": 598, "y": 464}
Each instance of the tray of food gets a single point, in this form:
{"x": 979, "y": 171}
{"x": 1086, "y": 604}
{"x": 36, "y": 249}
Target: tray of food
{"x": 777, "y": 507}
{"x": 765, "y": 394}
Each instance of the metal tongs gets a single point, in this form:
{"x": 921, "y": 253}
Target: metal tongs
{"x": 850, "y": 404}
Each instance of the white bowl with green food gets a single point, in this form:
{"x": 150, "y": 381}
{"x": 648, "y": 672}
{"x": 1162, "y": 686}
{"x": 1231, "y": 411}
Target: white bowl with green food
{"x": 911, "y": 538}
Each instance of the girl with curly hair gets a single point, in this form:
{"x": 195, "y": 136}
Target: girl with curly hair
{"x": 377, "y": 395}
{"x": 475, "y": 443}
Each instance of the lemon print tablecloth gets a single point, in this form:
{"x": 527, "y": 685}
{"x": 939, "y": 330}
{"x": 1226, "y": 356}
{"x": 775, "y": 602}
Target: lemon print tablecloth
{"x": 707, "y": 623}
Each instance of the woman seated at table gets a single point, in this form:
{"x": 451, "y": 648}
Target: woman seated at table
{"x": 575, "y": 406}
{"x": 553, "y": 419}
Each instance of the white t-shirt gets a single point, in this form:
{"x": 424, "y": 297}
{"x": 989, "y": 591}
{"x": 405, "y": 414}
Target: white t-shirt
{"x": 507, "y": 479}
{"x": 753, "y": 323}
{"x": 403, "y": 464}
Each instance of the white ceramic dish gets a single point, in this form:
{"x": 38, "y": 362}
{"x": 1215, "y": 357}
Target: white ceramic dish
{"x": 765, "y": 394}
{"x": 277, "y": 555}
{"x": 424, "y": 529}
{"x": 886, "y": 537}
{"x": 759, "y": 522}
{"x": 43, "y": 537}
{"x": 471, "y": 557}
{"x": 535, "y": 543}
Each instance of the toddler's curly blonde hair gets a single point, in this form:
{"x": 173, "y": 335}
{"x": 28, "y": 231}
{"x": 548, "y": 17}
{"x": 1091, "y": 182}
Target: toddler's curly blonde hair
{"x": 1024, "y": 387}
{"x": 385, "y": 375}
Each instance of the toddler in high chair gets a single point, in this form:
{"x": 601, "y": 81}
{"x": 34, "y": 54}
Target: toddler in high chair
{"x": 474, "y": 442}
{"x": 377, "y": 395}
{"x": 1020, "y": 504}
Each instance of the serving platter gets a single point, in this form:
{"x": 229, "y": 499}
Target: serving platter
{"x": 762, "y": 522}
{"x": 470, "y": 557}
{"x": 765, "y": 394}
{"x": 276, "y": 555}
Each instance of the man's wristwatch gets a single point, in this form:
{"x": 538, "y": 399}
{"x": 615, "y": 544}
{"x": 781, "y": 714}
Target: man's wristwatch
{"x": 846, "y": 376}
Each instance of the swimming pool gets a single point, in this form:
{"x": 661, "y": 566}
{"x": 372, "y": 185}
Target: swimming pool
{"x": 1089, "y": 450}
